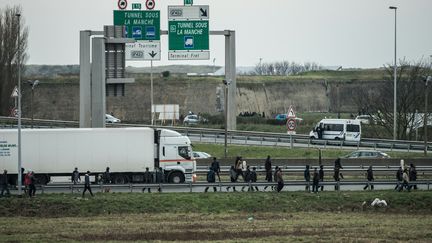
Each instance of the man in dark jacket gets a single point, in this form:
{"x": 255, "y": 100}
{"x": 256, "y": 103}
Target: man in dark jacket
{"x": 216, "y": 167}
{"x": 211, "y": 178}
{"x": 321, "y": 176}
{"x": 275, "y": 176}
{"x": 233, "y": 177}
{"x": 399, "y": 174}
{"x": 148, "y": 178}
{"x": 315, "y": 181}
{"x": 107, "y": 179}
{"x": 268, "y": 168}
{"x": 75, "y": 178}
{"x": 87, "y": 184}
{"x": 254, "y": 178}
{"x": 413, "y": 175}
{"x": 4, "y": 183}
{"x": 337, "y": 176}
{"x": 160, "y": 178}
{"x": 247, "y": 178}
{"x": 307, "y": 178}
{"x": 370, "y": 178}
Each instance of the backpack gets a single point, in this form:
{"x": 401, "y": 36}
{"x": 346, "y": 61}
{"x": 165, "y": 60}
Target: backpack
{"x": 27, "y": 180}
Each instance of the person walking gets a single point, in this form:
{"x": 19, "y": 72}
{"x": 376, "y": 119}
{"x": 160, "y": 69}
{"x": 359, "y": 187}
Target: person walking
{"x": 75, "y": 178}
{"x": 315, "y": 181}
{"x": 160, "y": 178}
{"x": 405, "y": 181}
{"x": 4, "y": 183}
{"x": 147, "y": 179}
{"x": 399, "y": 174}
{"x": 32, "y": 185}
{"x": 370, "y": 178}
{"x": 107, "y": 179}
{"x": 254, "y": 178}
{"x": 275, "y": 176}
{"x": 268, "y": 169}
{"x": 216, "y": 167}
{"x": 307, "y": 178}
{"x": 27, "y": 183}
{"x": 247, "y": 177}
{"x": 239, "y": 166}
{"x": 321, "y": 176}
{"x": 87, "y": 184}
{"x": 233, "y": 177}
{"x": 337, "y": 176}
{"x": 211, "y": 178}
{"x": 279, "y": 180}
{"x": 413, "y": 176}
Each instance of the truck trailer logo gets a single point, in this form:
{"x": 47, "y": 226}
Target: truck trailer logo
{"x": 5, "y": 148}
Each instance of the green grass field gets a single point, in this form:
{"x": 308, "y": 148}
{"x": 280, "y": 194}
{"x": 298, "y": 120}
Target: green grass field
{"x": 225, "y": 217}
{"x": 249, "y": 151}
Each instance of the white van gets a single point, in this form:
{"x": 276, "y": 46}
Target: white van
{"x": 338, "y": 129}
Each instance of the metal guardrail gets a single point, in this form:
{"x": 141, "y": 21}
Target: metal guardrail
{"x": 301, "y": 168}
{"x": 190, "y": 186}
{"x": 243, "y": 137}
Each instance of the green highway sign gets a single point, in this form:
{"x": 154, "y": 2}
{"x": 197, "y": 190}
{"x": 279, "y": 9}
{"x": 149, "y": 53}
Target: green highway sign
{"x": 139, "y": 24}
{"x": 188, "y": 33}
{"x": 188, "y": 2}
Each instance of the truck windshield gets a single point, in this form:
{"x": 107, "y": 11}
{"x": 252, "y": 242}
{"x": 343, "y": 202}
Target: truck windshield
{"x": 184, "y": 152}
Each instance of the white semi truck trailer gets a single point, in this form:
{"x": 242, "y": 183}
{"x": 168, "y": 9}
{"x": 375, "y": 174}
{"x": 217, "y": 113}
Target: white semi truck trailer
{"x": 126, "y": 151}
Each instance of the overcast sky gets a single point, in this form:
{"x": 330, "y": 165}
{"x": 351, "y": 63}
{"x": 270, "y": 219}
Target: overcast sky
{"x": 350, "y": 33}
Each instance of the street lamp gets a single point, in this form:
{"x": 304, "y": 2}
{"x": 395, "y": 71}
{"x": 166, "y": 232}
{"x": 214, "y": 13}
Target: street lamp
{"x": 425, "y": 116}
{"x": 33, "y": 84}
{"x": 226, "y": 83}
{"x": 394, "y": 74}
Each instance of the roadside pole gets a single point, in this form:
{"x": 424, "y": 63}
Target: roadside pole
{"x": 19, "y": 108}
{"x": 151, "y": 90}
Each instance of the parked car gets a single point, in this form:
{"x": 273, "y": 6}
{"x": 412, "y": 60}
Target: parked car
{"x": 283, "y": 117}
{"x": 193, "y": 120}
{"x": 111, "y": 119}
{"x": 201, "y": 155}
{"x": 367, "y": 154}
{"x": 369, "y": 119}
{"x": 365, "y": 119}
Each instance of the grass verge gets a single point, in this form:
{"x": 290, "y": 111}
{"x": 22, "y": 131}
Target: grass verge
{"x": 224, "y": 217}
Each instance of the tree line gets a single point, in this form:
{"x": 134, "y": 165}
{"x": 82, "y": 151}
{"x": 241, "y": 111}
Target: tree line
{"x": 9, "y": 51}
{"x": 285, "y": 68}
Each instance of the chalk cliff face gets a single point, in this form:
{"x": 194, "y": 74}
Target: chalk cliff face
{"x": 61, "y": 100}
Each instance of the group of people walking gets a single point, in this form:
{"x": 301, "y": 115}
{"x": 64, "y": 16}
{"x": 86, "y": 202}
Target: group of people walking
{"x": 248, "y": 175}
{"x": 314, "y": 178}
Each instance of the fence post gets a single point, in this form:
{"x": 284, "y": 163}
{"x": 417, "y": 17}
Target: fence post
{"x": 190, "y": 186}
{"x": 291, "y": 141}
{"x": 130, "y": 187}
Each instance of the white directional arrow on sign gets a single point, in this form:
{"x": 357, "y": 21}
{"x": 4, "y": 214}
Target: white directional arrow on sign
{"x": 189, "y": 12}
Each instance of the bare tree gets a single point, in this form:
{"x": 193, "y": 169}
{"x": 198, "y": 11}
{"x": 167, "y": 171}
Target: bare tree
{"x": 9, "y": 50}
{"x": 410, "y": 89}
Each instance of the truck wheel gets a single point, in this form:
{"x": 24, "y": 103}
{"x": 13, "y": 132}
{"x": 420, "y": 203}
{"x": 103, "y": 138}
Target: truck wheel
{"x": 176, "y": 177}
{"x": 42, "y": 179}
{"x": 120, "y": 179}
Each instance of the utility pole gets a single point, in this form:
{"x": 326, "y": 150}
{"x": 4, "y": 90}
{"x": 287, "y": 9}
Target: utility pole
{"x": 19, "y": 107}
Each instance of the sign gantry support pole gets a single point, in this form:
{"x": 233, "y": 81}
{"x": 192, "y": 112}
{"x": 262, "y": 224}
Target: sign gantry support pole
{"x": 230, "y": 73}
